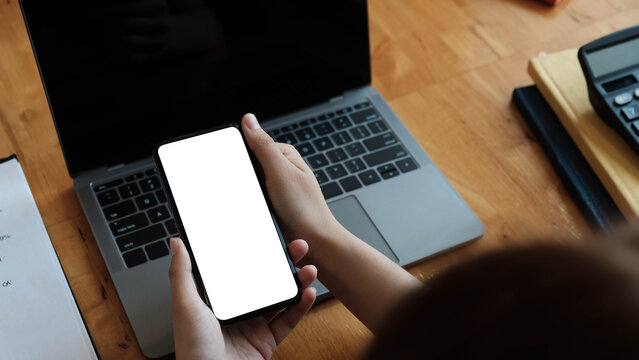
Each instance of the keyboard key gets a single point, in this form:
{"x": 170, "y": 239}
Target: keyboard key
{"x": 161, "y": 195}
{"x": 317, "y": 161}
{"x": 355, "y": 165}
{"x": 156, "y": 250}
{"x": 141, "y": 237}
{"x": 128, "y": 190}
{"x": 365, "y": 115}
{"x": 150, "y": 184}
{"x": 336, "y": 155}
{"x": 294, "y": 126}
{"x": 129, "y": 178}
{"x": 313, "y": 121}
{"x": 342, "y": 122}
{"x": 287, "y": 138}
{"x": 380, "y": 141}
{"x": 325, "y": 116}
{"x": 336, "y": 171}
{"x": 343, "y": 111}
{"x": 108, "y": 197}
{"x": 158, "y": 214}
{"x": 126, "y": 225}
{"x": 354, "y": 149}
{"x": 388, "y": 171}
{"x": 305, "y": 134}
{"x": 331, "y": 190}
{"x": 139, "y": 175}
{"x": 350, "y": 183}
{"x": 108, "y": 185}
{"x": 304, "y": 123}
{"x": 323, "y": 129}
{"x": 623, "y": 99}
{"x": 406, "y": 165}
{"x": 359, "y": 132}
{"x": 341, "y": 138}
{"x": 119, "y": 210}
{"x": 134, "y": 258}
{"x": 369, "y": 177}
{"x": 377, "y": 127}
{"x": 320, "y": 176}
{"x": 145, "y": 201}
{"x": 276, "y": 132}
{"x": 362, "y": 105}
{"x": 385, "y": 155}
{"x": 322, "y": 144}
{"x": 150, "y": 172}
{"x": 171, "y": 227}
{"x": 286, "y": 128}
{"x": 631, "y": 112}
{"x": 305, "y": 149}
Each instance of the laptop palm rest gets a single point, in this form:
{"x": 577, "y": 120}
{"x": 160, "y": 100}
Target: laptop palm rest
{"x": 354, "y": 218}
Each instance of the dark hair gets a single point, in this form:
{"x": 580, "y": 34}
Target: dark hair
{"x": 543, "y": 301}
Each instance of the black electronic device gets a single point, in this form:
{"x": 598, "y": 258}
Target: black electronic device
{"x": 240, "y": 262}
{"x": 611, "y": 67}
{"x": 121, "y": 76}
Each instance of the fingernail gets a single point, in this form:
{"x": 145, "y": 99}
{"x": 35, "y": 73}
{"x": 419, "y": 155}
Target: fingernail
{"x": 251, "y": 121}
{"x": 174, "y": 244}
{"x": 314, "y": 290}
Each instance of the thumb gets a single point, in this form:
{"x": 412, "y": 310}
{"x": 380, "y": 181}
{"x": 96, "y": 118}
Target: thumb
{"x": 183, "y": 290}
{"x": 263, "y": 146}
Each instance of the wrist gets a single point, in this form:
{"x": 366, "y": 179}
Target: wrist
{"x": 327, "y": 241}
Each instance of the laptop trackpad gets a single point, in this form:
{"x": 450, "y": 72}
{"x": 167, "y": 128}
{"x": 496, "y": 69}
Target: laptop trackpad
{"x": 353, "y": 217}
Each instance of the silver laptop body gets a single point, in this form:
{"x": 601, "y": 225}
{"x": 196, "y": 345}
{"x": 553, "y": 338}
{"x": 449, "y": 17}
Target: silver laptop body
{"x": 408, "y": 218}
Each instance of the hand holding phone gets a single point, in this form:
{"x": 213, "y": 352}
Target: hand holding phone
{"x": 197, "y": 334}
{"x": 240, "y": 263}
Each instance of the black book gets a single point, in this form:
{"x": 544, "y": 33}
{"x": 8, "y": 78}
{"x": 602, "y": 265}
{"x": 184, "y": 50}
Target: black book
{"x": 582, "y": 183}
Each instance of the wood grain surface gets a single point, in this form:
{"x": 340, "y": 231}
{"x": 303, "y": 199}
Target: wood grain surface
{"x": 447, "y": 68}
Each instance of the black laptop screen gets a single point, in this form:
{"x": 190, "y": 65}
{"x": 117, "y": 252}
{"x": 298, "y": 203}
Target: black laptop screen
{"x": 123, "y": 74}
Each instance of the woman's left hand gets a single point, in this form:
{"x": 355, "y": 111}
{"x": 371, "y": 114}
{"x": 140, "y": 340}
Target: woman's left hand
{"x": 197, "y": 332}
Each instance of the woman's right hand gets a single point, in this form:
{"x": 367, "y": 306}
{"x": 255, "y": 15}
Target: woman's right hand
{"x": 354, "y": 271}
{"x": 296, "y": 196}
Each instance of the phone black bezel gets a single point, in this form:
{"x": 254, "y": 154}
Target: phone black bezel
{"x": 196, "y": 272}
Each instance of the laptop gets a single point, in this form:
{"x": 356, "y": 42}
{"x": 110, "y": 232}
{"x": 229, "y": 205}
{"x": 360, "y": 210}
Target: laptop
{"x": 122, "y": 75}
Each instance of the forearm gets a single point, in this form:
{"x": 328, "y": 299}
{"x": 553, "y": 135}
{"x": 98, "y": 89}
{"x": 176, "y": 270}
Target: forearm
{"x": 368, "y": 283}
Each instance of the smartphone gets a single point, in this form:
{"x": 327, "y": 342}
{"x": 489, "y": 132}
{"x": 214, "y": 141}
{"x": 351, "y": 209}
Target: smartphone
{"x": 240, "y": 262}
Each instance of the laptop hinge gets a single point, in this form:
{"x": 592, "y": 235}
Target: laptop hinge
{"x": 337, "y": 98}
{"x": 115, "y": 167}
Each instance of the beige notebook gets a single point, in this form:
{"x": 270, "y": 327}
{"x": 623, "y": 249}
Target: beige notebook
{"x": 560, "y": 79}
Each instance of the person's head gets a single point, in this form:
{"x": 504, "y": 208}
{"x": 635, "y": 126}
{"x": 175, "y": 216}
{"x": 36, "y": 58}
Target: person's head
{"x": 542, "y": 301}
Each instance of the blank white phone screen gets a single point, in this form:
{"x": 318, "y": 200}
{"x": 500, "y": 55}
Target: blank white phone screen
{"x": 227, "y": 222}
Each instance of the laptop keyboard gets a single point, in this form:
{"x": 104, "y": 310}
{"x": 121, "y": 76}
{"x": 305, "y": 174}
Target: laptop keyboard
{"x": 137, "y": 212}
{"x": 348, "y": 148}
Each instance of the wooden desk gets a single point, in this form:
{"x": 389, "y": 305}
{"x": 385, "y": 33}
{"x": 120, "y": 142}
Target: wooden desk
{"x": 447, "y": 68}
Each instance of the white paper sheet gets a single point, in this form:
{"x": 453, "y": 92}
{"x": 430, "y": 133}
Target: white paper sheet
{"x": 38, "y": 315}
